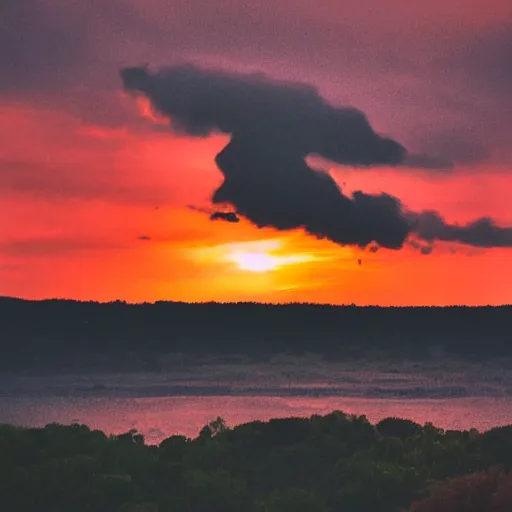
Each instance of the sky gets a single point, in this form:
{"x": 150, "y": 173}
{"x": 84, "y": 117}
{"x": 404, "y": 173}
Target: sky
{"x": 277, "y": 151}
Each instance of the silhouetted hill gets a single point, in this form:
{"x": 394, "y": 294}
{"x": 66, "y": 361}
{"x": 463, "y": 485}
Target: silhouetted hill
{"x": 55, "y": 329}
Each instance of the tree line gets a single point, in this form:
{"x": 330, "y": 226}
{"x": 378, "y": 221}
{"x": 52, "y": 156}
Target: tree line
{"x": 332, "y": 463}
{"x": 33, "y": 331}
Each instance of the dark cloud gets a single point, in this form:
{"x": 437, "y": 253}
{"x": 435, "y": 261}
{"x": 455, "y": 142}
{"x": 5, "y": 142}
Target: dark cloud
{"x": 144, "y": 238}
{"x": 422, "y": 247}
{"x": 217, "y": 215}
{"x": 254, "y": 108}
{"x": 483, "y": 232}
{"x": 226, "y": 216}
{"x": 274, "y": 126}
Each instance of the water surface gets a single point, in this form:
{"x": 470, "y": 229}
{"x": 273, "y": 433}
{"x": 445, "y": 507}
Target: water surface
{"x": 183, "y": 398}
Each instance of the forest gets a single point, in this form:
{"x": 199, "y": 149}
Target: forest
{"x": 332, "y": 463}
{"x": 36, "y": 334}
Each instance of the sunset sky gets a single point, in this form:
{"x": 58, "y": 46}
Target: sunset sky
{"x": 113, "y": 113}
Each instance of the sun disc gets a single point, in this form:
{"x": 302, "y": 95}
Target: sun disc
{"x": 255, "y": 261}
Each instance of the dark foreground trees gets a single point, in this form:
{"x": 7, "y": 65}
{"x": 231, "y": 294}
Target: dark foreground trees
{"x": 333, "y": 463}
{"x": 479, "y": 492}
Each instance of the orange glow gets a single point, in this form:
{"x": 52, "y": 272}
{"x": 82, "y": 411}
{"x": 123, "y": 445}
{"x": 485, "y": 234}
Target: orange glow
{"x": 102, "y": 213}
{"x": 255, "y": 256}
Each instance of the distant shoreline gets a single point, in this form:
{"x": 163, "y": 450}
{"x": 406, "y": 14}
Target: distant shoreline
{"x": 51, "y": 333}
{"x": 249, "y": 303}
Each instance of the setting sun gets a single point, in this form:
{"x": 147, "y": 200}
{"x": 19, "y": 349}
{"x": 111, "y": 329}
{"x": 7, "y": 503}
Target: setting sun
{"x": 260, "y": 256}
{"x": 255, "y": 261}
{"x": 255, "y": 255}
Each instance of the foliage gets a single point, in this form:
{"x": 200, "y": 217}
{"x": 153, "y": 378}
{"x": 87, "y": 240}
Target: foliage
{"x": 479, "y": 492}
{"x": 332, "y": 463}
{"x": 397, "y": 427}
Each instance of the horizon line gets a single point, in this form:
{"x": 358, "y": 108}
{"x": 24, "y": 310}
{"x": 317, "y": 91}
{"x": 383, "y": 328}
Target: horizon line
{"x": 254, "y": 303}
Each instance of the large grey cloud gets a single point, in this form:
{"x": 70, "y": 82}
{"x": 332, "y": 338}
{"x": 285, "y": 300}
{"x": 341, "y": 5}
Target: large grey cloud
{"x": 274, "y": 126}
{"x": 202, "y": 101}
